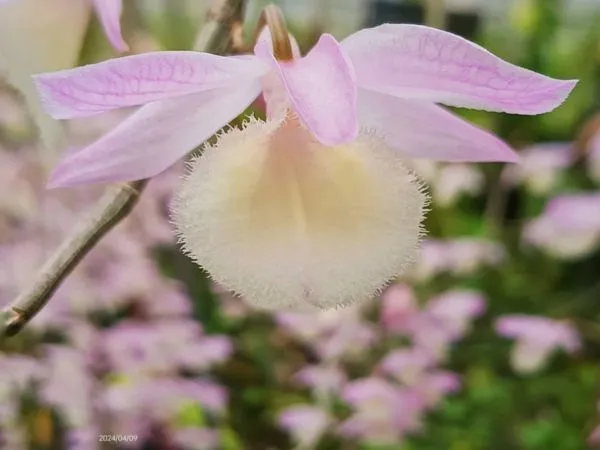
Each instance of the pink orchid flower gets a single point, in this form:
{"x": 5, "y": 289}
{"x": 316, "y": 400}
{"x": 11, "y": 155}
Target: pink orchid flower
{"x": 536, "y": 338}
{"x": 568, "y": 228}
{"x": 305, "y": 423}
{"x": 301, "y": 210}
{"x": 383, "y": 412}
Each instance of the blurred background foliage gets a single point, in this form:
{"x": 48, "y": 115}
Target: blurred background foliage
{"x": 496, "y": 407}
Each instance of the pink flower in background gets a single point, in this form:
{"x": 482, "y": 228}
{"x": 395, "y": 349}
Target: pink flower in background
{"x": 460, "y": 256}
{"x": 407, "y": 365}
{"x": 206, "y": 353}
{"x": 536, "y": 338}
{"x": 324, "y": 178}
{"x": 383, "y": 412}
{"x": 333, "y": 333}
{"x": 540, "y": 166}
{"x": 569, "y": 226}
{"x": 444, "y": 320}
{"x": 126, "y": 376}
{"x": 323, "y": 379}
{"x": 305, "y": 423}
{"x": 454, "y": 181}
{"x": 310, "y": 328}
{"x": 398, "y": 306}
{"x": 435, "y": 385}
{"x": 455, "y": 310}
{"x": 433, "y": 260}
{"x": 19, "y": 374}
{"x": 67, "y": 385}
{"x": 350, "y": 339}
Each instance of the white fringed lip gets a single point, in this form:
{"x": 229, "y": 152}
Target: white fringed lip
{"x": 288, "y": 223}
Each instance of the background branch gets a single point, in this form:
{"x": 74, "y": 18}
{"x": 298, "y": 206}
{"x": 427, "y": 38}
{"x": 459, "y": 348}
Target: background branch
{"x": 117, "y": 202}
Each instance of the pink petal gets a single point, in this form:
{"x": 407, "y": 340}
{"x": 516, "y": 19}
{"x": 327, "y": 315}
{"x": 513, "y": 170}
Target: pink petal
{"x": 138, "y": 79}
{"x": 154, "y": 137}
{"x": 527, "y": 357}
{"x": 424, "y": 130}
{"x": 322, "y": 89}
{"x": 415, "y": 61}
{"x": 539, "y": 330}
{"x": 109, "y": 13}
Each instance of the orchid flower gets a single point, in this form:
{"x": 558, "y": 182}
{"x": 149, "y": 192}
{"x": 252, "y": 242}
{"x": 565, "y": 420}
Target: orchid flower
{"x": 314, "y": 206}
{"x": 536, "y": 338}
{"x": 569, "y": 226}
{"x": 306, "y": 424}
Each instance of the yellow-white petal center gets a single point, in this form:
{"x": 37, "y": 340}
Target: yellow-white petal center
{"x": 288, "y": 223}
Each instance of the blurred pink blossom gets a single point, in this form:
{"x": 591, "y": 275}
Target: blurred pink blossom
{"x": 398, "y": 304}
{"x": 461, "y": 256}
{"x": 206, "y": 353}
{"x": 569, "y": 226}
{"x": 333, "y": 333}
{"x": 126, "y": 376}
{"x": 444, "y": 320}
{"x": 407, "y": 365}
{"x": 540, "y": 167}
{"x": 352, "y": 338}
{"x": 68, "y": 386}
{"x": 454, "y": 181}
{"x": 324, "y": 379}
{"x": 449, "y": 181}
{"x": 536, "y": 338}
{"x": 433, "y": 386}
{"x": 18, "y": 375}
{"x": 383, "y": 412}
{"x": 305, "y": 423}
{"x": 145, "y": 400}
{"x": 309, "y": 327}
{"x": 455, "y": 310}
{"x": 84, "y": 438}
